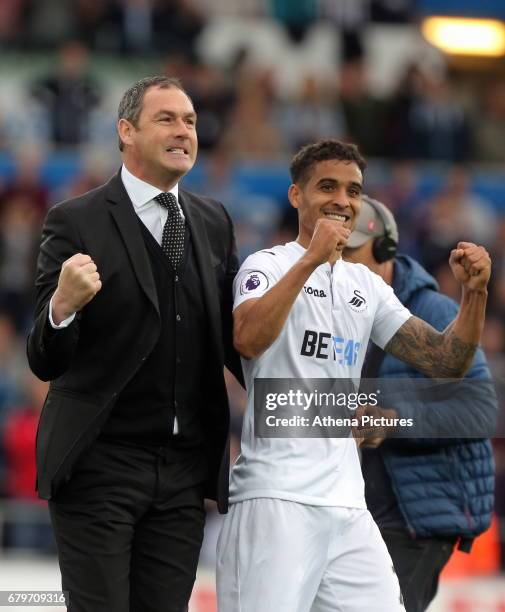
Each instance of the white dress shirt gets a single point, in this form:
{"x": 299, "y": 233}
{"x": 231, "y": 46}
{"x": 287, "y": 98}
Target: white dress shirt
{"x": 142, "y": 195}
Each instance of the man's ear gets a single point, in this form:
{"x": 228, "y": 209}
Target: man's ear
{"x": 294, "y": 195}
{"x": 125, "y": 131}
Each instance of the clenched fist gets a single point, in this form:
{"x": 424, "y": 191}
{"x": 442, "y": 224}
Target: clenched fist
{"x": 78, "y": 284}
{"x": 329, "y": 237}
{"x": 372, "y": 436}
{"x": 471, "y": 265}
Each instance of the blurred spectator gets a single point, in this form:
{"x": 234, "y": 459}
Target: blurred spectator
{"x": 402, "y": 195}
{"x": 497, "y": 296}
{"x": 139, "y": 26}
{"x": 455, "y": 213}
{"x": 176, "y": 26}
{"x": 12, "y": 370}
{"x": 97, "y": 23}
{"x": 311, "y": 115}
{"x": 287, "y": 230}
{"x": 26, "y": 517}
{"x": 3, "y": 133}
{"x": 19, "y": 441}
{"x": 27, "y": 182}
{"x": 490, "y": 124}
{"x": 493, "y": 343}
{"x": 255, "y": 216}
{"x": 428, "y": 122}
{"x": 349, "y": 18}
{"x": 136, "y": 25}
{"x": 252, "y": 133}
{"x": 94, "y": 172}
{"x": 399, "y": 108}
{"x": 11, "y": 13}
{"x": 48, "y": 23}
{"x": 69, "y": 94}
{"x": 448, "y": 284}
{"x": 19, "y": 233}
{"x": 363, "y": 112}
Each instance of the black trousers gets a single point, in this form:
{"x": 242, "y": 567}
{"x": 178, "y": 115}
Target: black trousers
{"x": 418, "y": 564}
{"x": 129, "y": 527}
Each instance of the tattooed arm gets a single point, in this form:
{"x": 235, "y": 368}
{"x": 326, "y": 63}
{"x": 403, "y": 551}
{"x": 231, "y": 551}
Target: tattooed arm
{"x": 449, "y": 353}
{"x": 436, "y": 354}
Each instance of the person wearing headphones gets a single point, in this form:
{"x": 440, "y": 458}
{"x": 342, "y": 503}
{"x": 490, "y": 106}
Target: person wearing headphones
{"x": 447, "y": 500}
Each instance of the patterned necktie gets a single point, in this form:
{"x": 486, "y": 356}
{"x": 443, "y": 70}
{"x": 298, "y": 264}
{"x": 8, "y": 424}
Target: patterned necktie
{"x": 172, "y": 241}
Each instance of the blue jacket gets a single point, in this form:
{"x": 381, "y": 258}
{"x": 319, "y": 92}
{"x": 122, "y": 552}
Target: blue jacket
{"x": 443, "y": 487}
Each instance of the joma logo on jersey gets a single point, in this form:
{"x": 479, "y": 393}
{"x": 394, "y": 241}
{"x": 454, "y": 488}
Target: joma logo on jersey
{"x": 322, "y": 345}
{"x": 357, "y": 302}
{"x": 315, "y": 292}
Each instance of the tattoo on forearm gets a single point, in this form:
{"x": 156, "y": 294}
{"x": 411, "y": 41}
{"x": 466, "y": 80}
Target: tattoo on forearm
{"x": 441, "y": 355}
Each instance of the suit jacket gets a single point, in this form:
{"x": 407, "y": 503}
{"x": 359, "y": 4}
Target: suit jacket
{"x": 92, "y": 360}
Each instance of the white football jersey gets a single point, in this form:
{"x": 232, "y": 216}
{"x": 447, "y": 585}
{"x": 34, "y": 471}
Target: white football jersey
{"x": 325, "y": 336}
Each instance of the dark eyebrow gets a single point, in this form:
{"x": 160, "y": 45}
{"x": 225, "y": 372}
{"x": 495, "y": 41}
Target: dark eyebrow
{"x": 170, "y": 113}
{"x": 335, "y": 182}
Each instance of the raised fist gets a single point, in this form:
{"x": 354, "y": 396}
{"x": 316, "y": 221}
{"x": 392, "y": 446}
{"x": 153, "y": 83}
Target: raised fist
{"x": 329, "y": 236}
{"x": 471, "y": 265}
{"x": 78, "y": 284}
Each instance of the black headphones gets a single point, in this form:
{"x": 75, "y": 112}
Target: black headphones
{"x": 384, "y": 247}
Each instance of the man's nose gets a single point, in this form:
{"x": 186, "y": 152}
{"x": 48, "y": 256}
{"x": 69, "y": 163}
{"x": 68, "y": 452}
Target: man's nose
{"x": 340, "y": 198}
{"x": 181, "y": 127}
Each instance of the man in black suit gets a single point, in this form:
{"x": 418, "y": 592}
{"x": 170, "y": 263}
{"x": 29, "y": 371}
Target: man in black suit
{"x": 132, "y": 328}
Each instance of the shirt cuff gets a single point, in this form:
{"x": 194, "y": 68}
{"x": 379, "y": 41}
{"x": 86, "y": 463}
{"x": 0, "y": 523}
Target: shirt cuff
{"x": 64, "y": 323}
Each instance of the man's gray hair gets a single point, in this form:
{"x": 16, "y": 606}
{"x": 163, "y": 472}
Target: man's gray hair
{"x": 130, "y": 106}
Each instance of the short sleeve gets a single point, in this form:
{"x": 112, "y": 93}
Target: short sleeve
{"x": 256, "y": 276}
{"x": 390, "y": 314}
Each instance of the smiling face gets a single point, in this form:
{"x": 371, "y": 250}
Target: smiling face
{"x": 162, "y": 147}
{"x": 332, "y": 190}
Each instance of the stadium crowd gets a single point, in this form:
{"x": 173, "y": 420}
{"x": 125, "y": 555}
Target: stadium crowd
{"x": 430, "y": 142}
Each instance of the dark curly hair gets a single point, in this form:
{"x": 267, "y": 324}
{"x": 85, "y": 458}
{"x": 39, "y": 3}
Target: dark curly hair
{"x": 323, "y": 150}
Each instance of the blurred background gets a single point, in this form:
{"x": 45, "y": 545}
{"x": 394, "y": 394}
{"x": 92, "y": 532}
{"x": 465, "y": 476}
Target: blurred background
{"x": 424, "y": 100}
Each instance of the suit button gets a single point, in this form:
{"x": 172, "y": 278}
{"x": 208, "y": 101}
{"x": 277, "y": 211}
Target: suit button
{"x": 176, "y": 279}
{"x": 178, "y": 317}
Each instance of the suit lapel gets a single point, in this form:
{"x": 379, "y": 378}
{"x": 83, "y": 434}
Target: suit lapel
{"x": 203, "y": 252}
{"x": 127, "y": 222}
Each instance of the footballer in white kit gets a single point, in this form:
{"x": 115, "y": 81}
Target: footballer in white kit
{"x": 298, "y": 537}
